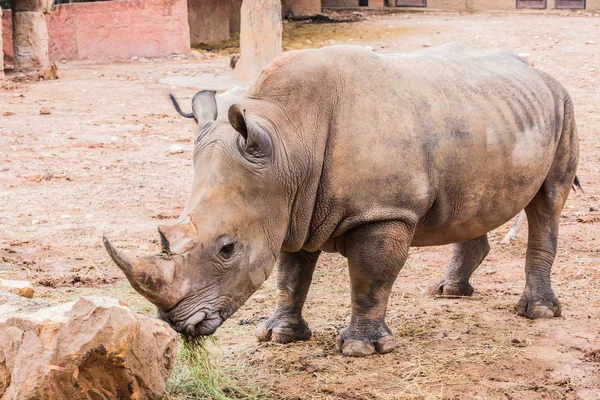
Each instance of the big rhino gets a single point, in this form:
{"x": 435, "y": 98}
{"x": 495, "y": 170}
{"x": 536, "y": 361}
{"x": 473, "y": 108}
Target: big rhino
{"x": 344, "y": 150}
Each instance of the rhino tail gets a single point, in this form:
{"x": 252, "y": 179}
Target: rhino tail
{"x": 577, "y": 184}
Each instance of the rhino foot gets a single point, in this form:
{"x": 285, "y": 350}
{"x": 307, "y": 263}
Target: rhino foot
{"x": 281, "y": 330}
{"x": 355, "y": 343}
{"x": 447, "y": 288}
{"x": 537, "y": 307}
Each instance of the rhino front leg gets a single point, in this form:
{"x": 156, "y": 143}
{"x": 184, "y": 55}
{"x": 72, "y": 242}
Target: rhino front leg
{"x": 294, "y": 276}
{"x": 376, "y": 253}
{"x": 466, "y": 257}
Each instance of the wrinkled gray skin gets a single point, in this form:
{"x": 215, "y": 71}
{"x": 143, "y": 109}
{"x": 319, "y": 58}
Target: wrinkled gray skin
{"x": 367, "y": 155}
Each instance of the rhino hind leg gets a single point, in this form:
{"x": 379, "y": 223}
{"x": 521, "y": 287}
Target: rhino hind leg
{"x": 543, "y": 214}
{"x": 543, "y": 217}
{"x": 376, "y": 253}
{"x": 466, "y": 257}
{"x": 294, "y": 277}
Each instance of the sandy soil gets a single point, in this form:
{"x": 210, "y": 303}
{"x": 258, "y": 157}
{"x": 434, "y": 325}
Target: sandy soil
{"x": 99, "y": 163}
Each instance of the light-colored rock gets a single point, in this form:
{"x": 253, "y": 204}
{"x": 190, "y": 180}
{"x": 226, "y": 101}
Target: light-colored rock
{"x": 175, "y": 149}
{"x": 21, "y": 288}
{"x": 93, "y": 348}
{"x": 260, "y": 36}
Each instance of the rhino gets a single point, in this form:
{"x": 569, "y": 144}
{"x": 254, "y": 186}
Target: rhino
{"x": 345, "y": 150}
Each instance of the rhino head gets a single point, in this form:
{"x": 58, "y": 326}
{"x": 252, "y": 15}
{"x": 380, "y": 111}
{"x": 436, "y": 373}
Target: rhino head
{"x": 225, "y": 244}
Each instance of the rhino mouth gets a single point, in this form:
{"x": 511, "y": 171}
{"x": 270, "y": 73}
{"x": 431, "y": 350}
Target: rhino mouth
{"x": 204, "y": 328}
{"x": 201, "y": 323}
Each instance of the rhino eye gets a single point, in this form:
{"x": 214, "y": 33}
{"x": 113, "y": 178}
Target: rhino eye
{"x": 227, "y": 251}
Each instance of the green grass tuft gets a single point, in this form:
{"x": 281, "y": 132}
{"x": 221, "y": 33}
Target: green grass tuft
{"x": 197, "y": 376}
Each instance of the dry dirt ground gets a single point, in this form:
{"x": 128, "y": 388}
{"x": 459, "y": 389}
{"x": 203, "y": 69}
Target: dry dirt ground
{"x": 98, "y": 163}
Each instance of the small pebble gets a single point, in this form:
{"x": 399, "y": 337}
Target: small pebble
{"x": 175, "y": 149}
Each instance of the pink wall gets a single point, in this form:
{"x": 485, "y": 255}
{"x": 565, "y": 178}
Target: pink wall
{"x": 120, "y": 29}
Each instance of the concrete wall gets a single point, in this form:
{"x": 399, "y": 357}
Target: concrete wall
{"x": 353, "y": 3}
{"x": 495, "y": 4}
{"x": 449, "y": 4}
{"x": 339, "y": 3}
{"x": 301, "y": 7}
{"x": 208, "y": 20}
{"x": 458, "y": 4}
{"x": 120, "y": 29}
{"x": 593, "y": 5}
{"x": 234, "y": 15}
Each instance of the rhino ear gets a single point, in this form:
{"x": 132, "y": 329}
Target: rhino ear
{"x": 257, "y": 141}
{"x": 204, "y": 106}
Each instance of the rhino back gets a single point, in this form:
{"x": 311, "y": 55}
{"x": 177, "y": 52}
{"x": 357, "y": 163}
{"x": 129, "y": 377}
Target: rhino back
{"x": 453, "y": 139}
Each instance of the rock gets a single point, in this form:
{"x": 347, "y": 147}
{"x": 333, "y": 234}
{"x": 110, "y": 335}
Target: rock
{"x": 175, "y": 149}
{"x": 17, "y": 302}
{"x": 49, "y": 73}
{"x": 427, "y": 44}
{"x": 45, "y": 111}
{"x": 234, "y": 60}
{"x": 196, "y": 54}
{"x": 589, "y": 42}
{"x": 93, "y": 348}
{"x": 518, "y": 341}
{"x": 21, "y": 288}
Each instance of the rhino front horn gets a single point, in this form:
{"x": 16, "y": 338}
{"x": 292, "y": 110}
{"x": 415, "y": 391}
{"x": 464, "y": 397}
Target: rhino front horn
{"x": 122, "y": 261}
{"x": 152, "y": 277}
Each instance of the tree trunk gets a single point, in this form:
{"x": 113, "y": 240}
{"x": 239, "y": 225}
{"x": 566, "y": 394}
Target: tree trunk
{"x": 260, "y": 36}
{"x": 30, "y": 35}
